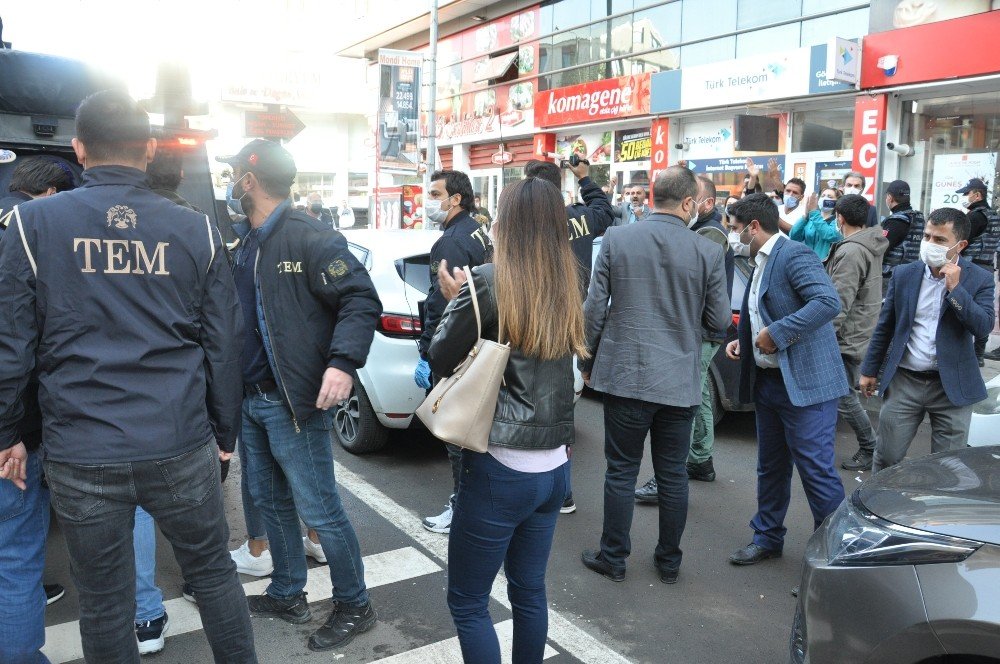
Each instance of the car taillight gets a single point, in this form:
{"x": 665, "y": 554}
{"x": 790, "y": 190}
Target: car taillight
{"x": 736, "y": 319}
{"x": 399, "y": 325}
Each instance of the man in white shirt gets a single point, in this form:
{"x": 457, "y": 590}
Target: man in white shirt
{"x": 791, "y": 208}
{"x": 922, "y": 355}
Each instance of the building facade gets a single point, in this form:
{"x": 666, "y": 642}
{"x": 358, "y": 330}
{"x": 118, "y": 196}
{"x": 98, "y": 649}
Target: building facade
{"x": 636, "y": 85}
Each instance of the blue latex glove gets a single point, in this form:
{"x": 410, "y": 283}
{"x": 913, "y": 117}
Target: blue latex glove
{"x": 422, "y": 375}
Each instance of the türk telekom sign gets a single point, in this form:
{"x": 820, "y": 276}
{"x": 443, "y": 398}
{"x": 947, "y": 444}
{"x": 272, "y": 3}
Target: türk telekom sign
{"x": 592, "y": 102}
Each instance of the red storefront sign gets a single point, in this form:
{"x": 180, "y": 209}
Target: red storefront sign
{"x": 659, "y": 147}
{"x": 609, "y": 99}
{"x": 936, "y": 51}
{"x": 869, "y": 120}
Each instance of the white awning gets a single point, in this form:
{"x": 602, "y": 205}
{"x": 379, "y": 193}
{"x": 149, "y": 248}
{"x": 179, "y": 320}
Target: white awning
{"x": 494, "y": 67}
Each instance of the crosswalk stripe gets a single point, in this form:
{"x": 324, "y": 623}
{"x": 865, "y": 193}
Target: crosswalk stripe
{"x": 62, "y": 642}
{"x": 449, "y": 652}
{"x": 576, "y": 641}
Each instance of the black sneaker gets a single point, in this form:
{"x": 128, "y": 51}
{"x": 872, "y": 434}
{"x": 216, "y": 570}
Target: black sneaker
{"x": 647, "y": 492}
{"x": 53, "y": 593}
{"x": 344, "y": 623}
{"x": 188, "y": 593}
{"x": 294, "y": 610}
{"x": 568, "y": 506}
{"x": 702, "y": 472}
{"x": 993, "y": 355}
{"x": 150, "y": 634}
{"x": 862, "y": 460}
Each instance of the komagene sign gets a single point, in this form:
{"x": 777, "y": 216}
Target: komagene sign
{"x": 589, "y": 102}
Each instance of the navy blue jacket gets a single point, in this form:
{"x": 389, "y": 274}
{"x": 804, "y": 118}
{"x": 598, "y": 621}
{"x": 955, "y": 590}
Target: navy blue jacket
{"x": 463, "y": 242}
{"x": 30, "y": 428}
{"x": 967, "y": 313}
{"x": 125, "y": 304}
{"x": 587, "y": 221}
{"x": 317, "y": 305}
{"x": 797, "y": 304}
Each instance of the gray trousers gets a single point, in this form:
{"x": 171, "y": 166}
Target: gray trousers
{"x": 852, "y": 411}
{"x": 909, "y": 396}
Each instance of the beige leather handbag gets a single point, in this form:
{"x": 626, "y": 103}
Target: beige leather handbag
{"x": 459, "y": 410}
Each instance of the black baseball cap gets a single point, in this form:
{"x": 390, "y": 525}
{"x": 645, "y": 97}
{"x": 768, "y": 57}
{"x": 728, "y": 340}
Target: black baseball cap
{"x": 975, "y": 184}
{"x": 266, "y": 159}
{"x": 898, "y": 188}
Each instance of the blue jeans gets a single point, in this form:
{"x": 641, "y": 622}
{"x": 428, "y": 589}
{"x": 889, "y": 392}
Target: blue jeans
{"x": 24, "y": 524}
{"x": 251, "y": 515}
{"x": 96, "y": 505}
{"x": 290, "y": 476}
{"x": 626, "y": 423}
{"x": 786, "y": 435}
{"x": 502, "y": 516}
{"x": 148, "y": 598}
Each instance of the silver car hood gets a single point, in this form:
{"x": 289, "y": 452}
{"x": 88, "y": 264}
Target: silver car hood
{"x": 952, "y": 493}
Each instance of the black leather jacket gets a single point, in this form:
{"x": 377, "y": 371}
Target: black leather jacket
{"x": 535, "y": 406}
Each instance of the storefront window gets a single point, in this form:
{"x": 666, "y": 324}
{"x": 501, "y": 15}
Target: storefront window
{"x": 822, "y": 130}
{"x": 954, "y": 139}
{"x": 705, "y": 18}
{"x": 759, "y": 42}
{"x": 848, "y": 25}
{"x": 752, "y": 13}
{"x": 657, "y": 27}
{"x": 816, "y": 6}
{"x": 567, "y": 13}
{"x": 715, "y": 50}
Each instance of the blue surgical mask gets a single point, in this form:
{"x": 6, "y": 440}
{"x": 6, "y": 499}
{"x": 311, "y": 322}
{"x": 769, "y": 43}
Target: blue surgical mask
{"x": 791, "y": 202}
{"x": 235, "y": 204}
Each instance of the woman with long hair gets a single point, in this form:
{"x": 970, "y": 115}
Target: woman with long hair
{"x": 509, "y": 497}
{"x": 817, "y": 228}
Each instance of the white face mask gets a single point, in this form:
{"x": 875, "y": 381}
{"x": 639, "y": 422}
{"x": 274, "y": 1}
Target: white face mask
{"x": 736, "y": 244}
{"x": 852, "y": 190}
{"x": 934, "y": 255}
{"x": 432, "y": 208}
{"x": 966, "y": 202}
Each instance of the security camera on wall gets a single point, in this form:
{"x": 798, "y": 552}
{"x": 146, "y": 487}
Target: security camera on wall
{"x": 902, "y": 149}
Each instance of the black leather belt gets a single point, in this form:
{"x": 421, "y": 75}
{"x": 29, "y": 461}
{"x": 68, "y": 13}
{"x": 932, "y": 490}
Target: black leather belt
{"x": 931, "y": 374}
{"x": 258, "y": 389}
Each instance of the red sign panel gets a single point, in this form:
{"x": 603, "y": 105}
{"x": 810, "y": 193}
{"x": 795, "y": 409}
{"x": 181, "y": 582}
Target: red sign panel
{"x": 906, "y": 57}
{"x": 591, "y": 102}
{"x": 869, "y": 120}
{"x": 659, "y": 147}
{"x": 283, "y": 125}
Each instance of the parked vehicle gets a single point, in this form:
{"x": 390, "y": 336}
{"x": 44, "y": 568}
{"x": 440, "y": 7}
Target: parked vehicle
{"x": 39, "y": 95}
{"x": 385, "y": 396}
{"x": 907, "y": 570}
{"x": 984, "y": 429}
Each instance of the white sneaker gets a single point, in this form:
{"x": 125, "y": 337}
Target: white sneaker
{"x": 150, "y": 634}
{"x": 440, "y": 523}
{"x": 246, "y": 563}
{"x": 315, "y": 551}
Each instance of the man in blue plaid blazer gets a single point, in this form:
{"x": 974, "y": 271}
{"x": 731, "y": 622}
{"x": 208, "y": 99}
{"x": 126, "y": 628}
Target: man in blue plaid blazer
{"x": 791, "y": 368}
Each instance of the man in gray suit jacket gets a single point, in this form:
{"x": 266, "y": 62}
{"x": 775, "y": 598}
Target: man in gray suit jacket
{"x": 655, "y": 286}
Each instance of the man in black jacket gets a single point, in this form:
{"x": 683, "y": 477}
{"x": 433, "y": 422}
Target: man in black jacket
{"x": 310, "y": 311}
{"x": 464, "y": 242}
{"x": 587, "y": 220}
{"x": 22, "y": 537}
{"x": 983, "y": 239}
{"x": 34, "y": 177}
{"x": 124, "y": 304}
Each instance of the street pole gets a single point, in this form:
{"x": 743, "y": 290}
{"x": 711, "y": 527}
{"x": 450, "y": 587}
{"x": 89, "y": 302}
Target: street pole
{"x": 431, "y": 119}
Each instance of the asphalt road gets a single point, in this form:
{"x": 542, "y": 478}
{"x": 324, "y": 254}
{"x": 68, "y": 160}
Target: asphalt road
{"x": 715, "y": 613}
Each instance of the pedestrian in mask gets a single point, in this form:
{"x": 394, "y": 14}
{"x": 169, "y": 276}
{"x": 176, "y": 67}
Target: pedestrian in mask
{"x": 921, "y": 357}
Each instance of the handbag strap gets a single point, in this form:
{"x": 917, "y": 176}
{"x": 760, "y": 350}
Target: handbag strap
{"x": 475, "y": 302}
